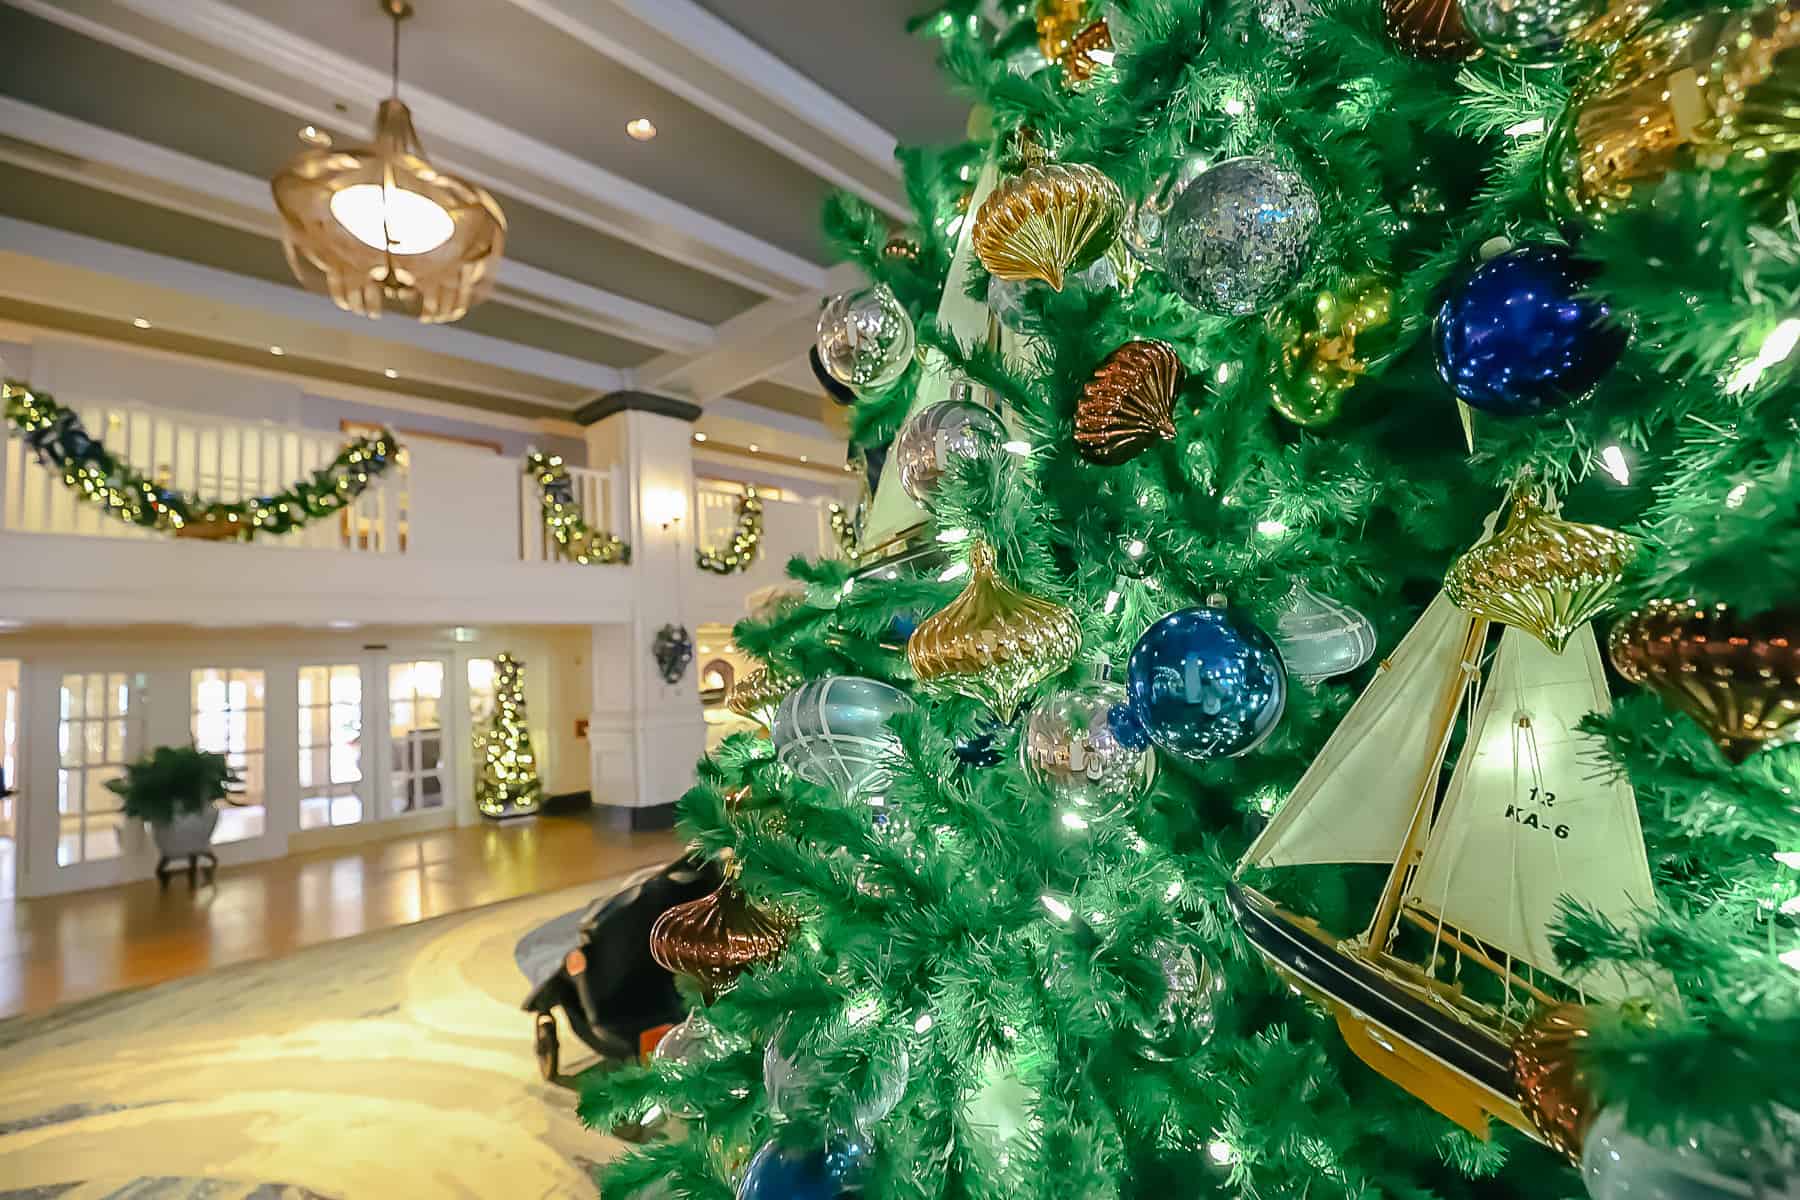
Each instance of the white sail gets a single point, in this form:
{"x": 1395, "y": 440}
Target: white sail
{"x": 1359, "y": 798}
{"x": 892, "y": 512}
{"x": 1529, "y": 818}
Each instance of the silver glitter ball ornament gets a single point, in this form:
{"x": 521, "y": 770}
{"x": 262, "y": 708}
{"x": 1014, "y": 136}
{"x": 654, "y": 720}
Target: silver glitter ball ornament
{"x": 1069, "y": 746}
{"x": 866, "y": 339}
{"x": 1319, "y": 637}
{"x": 1287, "y": 21}
{"x": 939, "y": 434}
{"x": 1237, "y": 238}
{"x": 1147, "y": 217}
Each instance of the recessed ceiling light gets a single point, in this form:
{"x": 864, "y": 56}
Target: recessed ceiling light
{"x": 803, "y": 458}
{"x": 277, "y": 351}
{"x": 391, "y": 373}
{"x": 140, "y": 322}
{"x": 699, "y": 437}
{"x": 640, "y": 129}
{"x": 754, "y": 448}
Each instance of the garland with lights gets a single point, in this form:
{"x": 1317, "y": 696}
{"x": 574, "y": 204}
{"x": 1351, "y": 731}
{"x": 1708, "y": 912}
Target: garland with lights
{"x": 61, "y": 442}
{"x": 843, "y": 528}
{"x": 562, "y": 515}
{"x": 507, "y": 784}
{"x": 746, "y": 543}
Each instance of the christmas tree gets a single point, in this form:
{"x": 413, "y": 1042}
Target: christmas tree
{"x": 506, "y": 780}
{"x": 1397, "y": 399}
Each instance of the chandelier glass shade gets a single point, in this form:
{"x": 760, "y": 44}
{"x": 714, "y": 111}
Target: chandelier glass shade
{"x": 378, "y": 227}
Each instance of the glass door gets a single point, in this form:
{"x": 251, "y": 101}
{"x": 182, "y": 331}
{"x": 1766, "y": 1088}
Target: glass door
{"x": 100, "y": 728}
{"x": 418, "y": 774}
{"x": 331, "y": 746}
{"x": 11, "y": 781}
{"x": 227, "y": 708}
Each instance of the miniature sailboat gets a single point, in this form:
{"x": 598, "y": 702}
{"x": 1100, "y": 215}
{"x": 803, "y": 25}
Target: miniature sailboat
{"x": 1477, "y": 876}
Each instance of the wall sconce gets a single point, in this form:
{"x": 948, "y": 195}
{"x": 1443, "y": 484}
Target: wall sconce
{"x": 664, "y": 506}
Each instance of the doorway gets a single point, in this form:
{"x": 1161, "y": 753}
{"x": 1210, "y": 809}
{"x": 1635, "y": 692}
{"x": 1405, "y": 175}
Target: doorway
{"x": 10, "y": 777}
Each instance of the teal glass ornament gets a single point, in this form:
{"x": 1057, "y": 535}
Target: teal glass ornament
{"x": 1712, "y": 1164}
{"x": 1206, "y": 683}
{"x": 830, "y": 1172}
{"x": 1320, "y": 637}
{"x": 834, "y": 732}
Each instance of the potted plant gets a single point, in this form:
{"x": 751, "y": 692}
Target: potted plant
{"x": 176, "y": 790}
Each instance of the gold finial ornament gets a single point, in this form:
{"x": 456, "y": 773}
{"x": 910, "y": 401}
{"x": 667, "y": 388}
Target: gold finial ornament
{"x": 757, "y": 694}
{"x": 1047, "y": 222}
{"x": 1541, "y": 574}
{"x": 1737, "y": 676}
{"x": 993, "y": 642}
{"x": 1689, "y": 92}
{"x": 1129, "y": 404}
{"x": 379, "y": 227}
{"x": 1058, "y": 21}
{"x": 716, "y": 938}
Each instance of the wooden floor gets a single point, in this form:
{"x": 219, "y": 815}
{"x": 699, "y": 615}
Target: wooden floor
{"x": 62, "y": 948}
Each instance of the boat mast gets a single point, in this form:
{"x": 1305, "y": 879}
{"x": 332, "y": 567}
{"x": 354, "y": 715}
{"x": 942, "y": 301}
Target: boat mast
{"x": 1412, "y": 850}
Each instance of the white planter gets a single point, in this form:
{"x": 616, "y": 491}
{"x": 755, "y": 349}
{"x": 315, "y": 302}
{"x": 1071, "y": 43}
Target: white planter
{"x": 190, "y": 833}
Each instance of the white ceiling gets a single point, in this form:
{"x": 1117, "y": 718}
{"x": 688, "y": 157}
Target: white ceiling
{"x": 139, "y": 136}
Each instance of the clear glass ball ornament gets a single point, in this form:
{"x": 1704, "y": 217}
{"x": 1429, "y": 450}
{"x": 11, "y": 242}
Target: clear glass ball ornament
{"x": 1184, "y": 1018}
{"x": 934, "y": 437}
{"x": 1070, "y": 747}
{"x": 866, "y": 339}
{"x": 1147, "y": 217}
{"x": 1238, "y": 238}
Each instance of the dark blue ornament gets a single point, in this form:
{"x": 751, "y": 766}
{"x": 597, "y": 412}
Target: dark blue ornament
{"x": 1206, "y": 683}
{"x": 901, "y": 627}
{"x": 1126, "y": 727}
{"x": 981, "y": 749}
{"x": 781, "y": 1173}
{"x": 1517, "y": 336}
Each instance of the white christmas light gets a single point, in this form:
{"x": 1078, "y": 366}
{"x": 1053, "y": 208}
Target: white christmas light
{"x": 1774, "y": 350}
{"x": 1056, "y": 908}
{"x": 1526, "y": 128}
{"x": 1612, "y": 460}
{"x": 953, "y": 571}
{"x": 1271, "y": 527}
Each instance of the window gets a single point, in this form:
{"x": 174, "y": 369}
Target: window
{"x": 416, "y": 735}
{"x": 228, "y": 719}
{"x": 101, "y": 728}
{"x": 482, "y": 691}
{"x": 330, "y": 745}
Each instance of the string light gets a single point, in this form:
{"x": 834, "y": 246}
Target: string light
{"x": 1612, "y": 460}
{"x": 508, "y": 784}
{"x": 1774, "y": 350}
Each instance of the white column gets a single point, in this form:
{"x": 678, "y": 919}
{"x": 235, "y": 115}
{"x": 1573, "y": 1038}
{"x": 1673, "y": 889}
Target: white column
{"x": 645, "y": 735}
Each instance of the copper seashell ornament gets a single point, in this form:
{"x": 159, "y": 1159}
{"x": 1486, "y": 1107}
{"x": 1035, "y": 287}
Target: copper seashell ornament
{"x": 1429, "y": 29}
{"x": 993, "y": 642}
{"x": 1542, "y": 574}
{"x": 1128, "y": 405}
{"x": 1087, "y": 51}
{"x": 1048, "y": 221}
{"x": 756, "y": 695}
{"x": 716, "y": 938}
{"x": 1553, "y": 1089}
{"x": 1738, "y": 677}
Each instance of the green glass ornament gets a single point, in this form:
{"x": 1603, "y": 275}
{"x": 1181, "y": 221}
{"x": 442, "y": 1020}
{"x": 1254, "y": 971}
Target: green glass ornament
{"x": 1327, "y": 343}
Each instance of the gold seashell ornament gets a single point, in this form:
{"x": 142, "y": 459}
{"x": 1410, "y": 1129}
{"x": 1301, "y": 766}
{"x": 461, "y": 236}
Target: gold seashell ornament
{"x": 993, "y": 642}
{"x": 1542, "y": 574}
{"x": 1128, "y": 405}
{"x": 1048, "y": 221}
{"x": 757, "y": 694}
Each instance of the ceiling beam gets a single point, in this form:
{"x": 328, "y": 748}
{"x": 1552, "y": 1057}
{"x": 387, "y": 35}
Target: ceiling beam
{"x": 56, "y": 268}
{"x": 242, "y": 53}
{"x": 767, "y": 339}
{"x": 53, "y": 144}
{"x": 686, "y": 50}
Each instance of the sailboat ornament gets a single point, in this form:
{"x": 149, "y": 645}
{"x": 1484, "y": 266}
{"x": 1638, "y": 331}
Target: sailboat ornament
{"x": 1476, "y": 877}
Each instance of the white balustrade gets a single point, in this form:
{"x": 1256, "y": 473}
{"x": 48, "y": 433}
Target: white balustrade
{"x": 209, "y": 458}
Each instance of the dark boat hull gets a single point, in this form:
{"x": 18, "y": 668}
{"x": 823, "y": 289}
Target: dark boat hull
{"x": 1463, "y": 1071}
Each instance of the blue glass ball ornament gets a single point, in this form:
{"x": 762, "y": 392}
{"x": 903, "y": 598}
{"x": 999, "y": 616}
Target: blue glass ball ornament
{"x": 1206, "y": 683}
{"x": 833, "y": 732}
{"x": 1517, "y": 336}
{"x": 778, "y": 1172}
{"x": 1127, "y": 728}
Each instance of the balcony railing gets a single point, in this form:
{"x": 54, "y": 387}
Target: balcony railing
{"x": 219, "y": 460}
{"x": 598, "y": 494}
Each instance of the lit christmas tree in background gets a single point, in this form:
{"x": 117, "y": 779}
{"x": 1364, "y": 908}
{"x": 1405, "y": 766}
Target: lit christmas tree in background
{"x": 1312, "y": 713}
{"x": 506, "y": 781}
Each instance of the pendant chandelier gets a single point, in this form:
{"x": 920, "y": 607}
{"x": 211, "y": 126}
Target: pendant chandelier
{"x": 378, "y": 226}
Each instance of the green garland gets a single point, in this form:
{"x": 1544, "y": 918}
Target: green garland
{"x": 60, "y": 441}
{"x": 562, "y": 515}
{"x": 746, "y": 543}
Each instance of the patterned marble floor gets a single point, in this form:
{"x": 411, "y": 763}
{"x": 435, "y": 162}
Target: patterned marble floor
{"x": 393, "y": 1066}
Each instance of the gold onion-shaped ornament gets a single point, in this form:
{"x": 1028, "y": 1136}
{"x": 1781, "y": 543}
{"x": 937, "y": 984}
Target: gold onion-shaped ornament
{"x": 1691, "y": 92}
{"x": 1048, "y": 221}
{"x": 993, "y": 642}
{"x": 1738, "y": 677}
{"x": 1541, "y": 574}
{"x": 716, "y": 938}
{"x": 1552, "y": 1088}
{"x": 1129, "y": 404}
{"x": 757, "y": 694}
